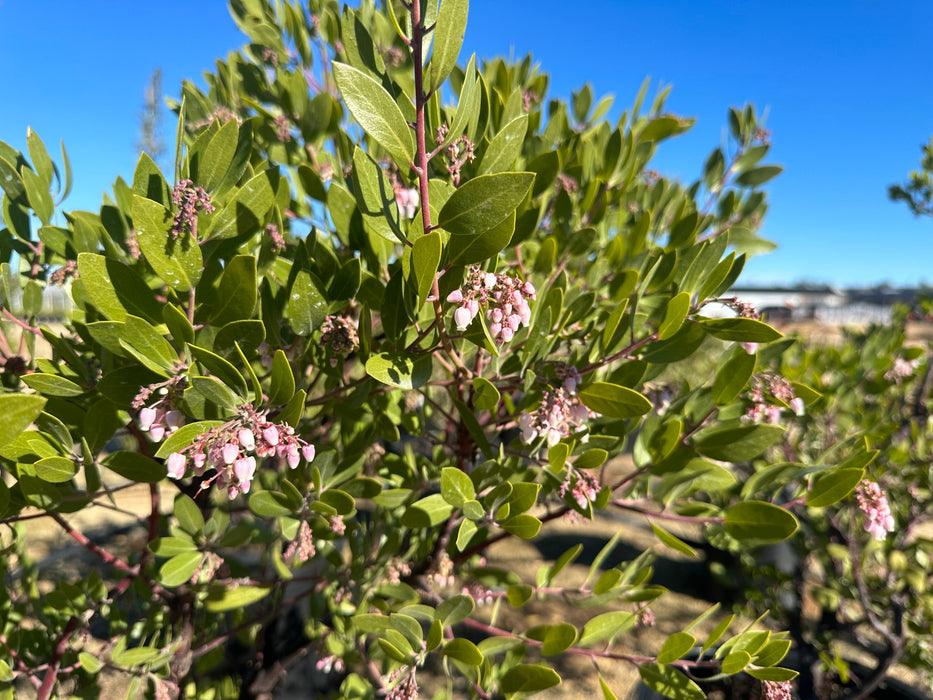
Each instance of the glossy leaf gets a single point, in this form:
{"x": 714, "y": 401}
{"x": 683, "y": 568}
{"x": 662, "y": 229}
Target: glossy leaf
{"x": 236, "y": 295}
{"x": 449, "y": 29}
{"x": 18, "y": 411}
{"x": 400, "y": 371}
{"x": 456, "y": 487}
{"x": 735, "y": 441}
{"x": 757, "y": 522}
{"x": 177, "y": 262}
{"x": 614, "y": 401}
{"x": 528, "y": 678}
{"x": 745, "y": 330}
{"x": 483, "y": 202}
{"x": 831, "y": 487}
{"x": 425, "y": 257}
{"x": 375, "y": 110}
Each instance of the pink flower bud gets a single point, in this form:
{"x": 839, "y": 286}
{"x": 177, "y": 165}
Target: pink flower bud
{"x": 157, "y": 432}
{"x": 174, "y": 419}
{"x": 246, "y": 439}
{"x": 292, "y": 457}
{"x": 473, "y": 306}
{"x": 750, "y": 348}
{"x": 496, "y": 315}
{"x": 514, "y": 321}
{"x": 462, "y": 318}
{"x": 528, "y": 289}
{"x": 229, "y": 453}
{"x": 198, "y": 461}
{"x": 232, "y": 492}
{"x": 798, "y": 406}
{"x": 147, "y": 417}
{"x": 495, "y": 328}
{"x": 271, "y": 435}
{"x": 244, "y": 468}
{"x": 489, "y": 281}
{"x": 308, "y": 452}
{"x": 506, "y": 334}
{"x": 455, "y": 297}
{"x": 175, "y": 465}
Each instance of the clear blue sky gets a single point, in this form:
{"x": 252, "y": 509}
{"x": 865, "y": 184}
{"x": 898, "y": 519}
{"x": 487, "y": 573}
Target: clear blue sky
{"x": 848, "y": 85}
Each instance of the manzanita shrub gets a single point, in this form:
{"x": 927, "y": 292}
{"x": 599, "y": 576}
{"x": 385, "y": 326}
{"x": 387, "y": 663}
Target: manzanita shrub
{"x": 389, "y": 309}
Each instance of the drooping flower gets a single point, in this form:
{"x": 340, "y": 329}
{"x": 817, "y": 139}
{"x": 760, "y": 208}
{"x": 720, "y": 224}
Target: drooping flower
{"x": 504, "y": 297}
{"x": 873, "y": 503}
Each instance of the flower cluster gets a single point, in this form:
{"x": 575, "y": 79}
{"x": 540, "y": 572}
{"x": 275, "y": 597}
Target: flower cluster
{"x": 339, "y": 334}
{"x": 901, "y": 369}
{"x": 69, "y": 269}
{"x": 283, "y": 128}
{"x": 505, "y": 299}
{"x": 407, "y": 200}
{"x": 278, "y": 240}
{"x": 231, "y": 450}
{"x": 190, "y": 199}
{"x": 302, "y": 547}
{"x": 761, "y": 411}
{"x": 874, "y": 506}
{"x": 159, "y": 418}
{"x": 582, "y": 486}
{"x": 558, "y": 415}
{"x": 776, "y": 690}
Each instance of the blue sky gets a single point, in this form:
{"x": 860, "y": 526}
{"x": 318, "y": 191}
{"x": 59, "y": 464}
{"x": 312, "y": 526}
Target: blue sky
{"x": 847, "y": 85}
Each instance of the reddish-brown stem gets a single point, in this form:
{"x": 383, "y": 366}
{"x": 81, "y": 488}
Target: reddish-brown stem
{"x": 22, "y": 324}
{"x": 23, "y": 668}
{"x": 51, "y": 675}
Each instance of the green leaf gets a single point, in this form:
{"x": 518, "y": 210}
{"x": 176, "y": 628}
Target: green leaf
{"x": 717, "y": 632}
{"x": 179, "y": 569}
{"x": 555, "y": 639}
{"x": 673, "y": 542}
{"x": 522, "y": 525}
{"x": 283, "y": 380}
{"x": 732, "y": 377}
{"x": 177, "y": 262}
{"x": 463, "y": 650}
{"x": 51, "y": 384}
{"x": 184, "y": 436}
{"x": 270, "y": 504}
{"x": 483, "y": 202}
{"x": 425, "y": 257}
{"x": 454, "y": 610}
{"x": 448, "y": 40}
{"x": 758, "y": 176}
{"x": 214, "y": 160}
{"x": 485, "y": 396}
{"x": 614, "y": 401}
{"x": 189, "y": 515}
{"x": 669, "y": 682}
{"x": 758, "y": 522}
{"x": 148, "y": 345}
{"x": 56, "y": 470}
{"x": 235, "y": 297}
{"x": 170, "y": 546}
{"x": 376, "y": 198}
{"x": 505, "y": 147}
{"x": 178, "y": 324}
{"x": 674, "y": 315}
{"x": 467, "y": 250}
{"x": 115, "y": 288}
{"x": 745, "y": 330}
{"x": 518, "y": 595}
{"x": 736, "y": 662}
{"x": 375, "y": 110}
{"x": 606, "y": 626}
{"x": 221, "y": 369}
{"x": 456, "y": 487}
{"x": 221, "y": 598}
{"x": 306, "y": 308}
{"x": 427, "y": 512}
{"x": 39, "y": 156}
{"x": 675, "y": 647}
{"x": 528, "y": 678}
{"x": 773, "y": 652}
{"x": 832, "y": 486}
{"x": 464, "y": 533}
{"x": 246, "y": 211}
{"x": 773, "y": 673}
{"x": 217, "y": 392}
{"x": 736, "y": 442}
{"x": 400, "y": 371}
{"x": 89, "y": 662}
{"x": 135, "y": 467}
{"x": 591, "y": 459}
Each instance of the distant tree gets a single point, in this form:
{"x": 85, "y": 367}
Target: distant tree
{"x": 150, "y": 119}
{"x": 917, "y": 192}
